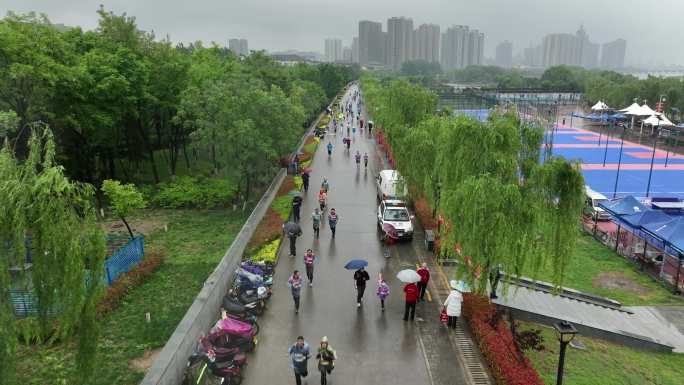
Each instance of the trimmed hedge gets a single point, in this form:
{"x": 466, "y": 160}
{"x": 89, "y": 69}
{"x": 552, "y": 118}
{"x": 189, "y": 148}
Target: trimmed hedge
{"x": 192, "y": 192}
{"x": 508, "y": 366}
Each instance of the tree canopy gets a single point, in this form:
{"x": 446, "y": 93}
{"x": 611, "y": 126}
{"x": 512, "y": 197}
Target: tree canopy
{"x": 503, "y": 208}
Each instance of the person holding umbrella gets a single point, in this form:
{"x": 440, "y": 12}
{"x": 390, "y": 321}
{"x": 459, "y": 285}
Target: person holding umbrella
{"x": 300, "y": 354}
{"x": 309, "y": 259}
{"x": 295, "y": 284}
{"x": 453, "y": 304}
{"x": 410, "y": 277}
{"x": 360, "y": 278}
{"x": 292, "y": 230}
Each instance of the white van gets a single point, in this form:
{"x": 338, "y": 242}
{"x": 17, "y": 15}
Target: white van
{"x": 391, "y": 185}
{"x": 591, "y": 204}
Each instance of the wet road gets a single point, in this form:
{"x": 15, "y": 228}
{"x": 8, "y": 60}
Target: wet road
{"x": 373, "y": 347}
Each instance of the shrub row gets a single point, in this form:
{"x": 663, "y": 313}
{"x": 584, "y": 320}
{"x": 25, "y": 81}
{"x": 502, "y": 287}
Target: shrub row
{"x": 127, "y": 281}
{"x": 508, "y": 366}
{"x": 193, "y": 192}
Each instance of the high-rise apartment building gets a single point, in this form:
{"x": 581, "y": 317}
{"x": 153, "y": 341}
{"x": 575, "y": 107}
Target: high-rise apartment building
{"x": 475, "y": 54}
{"x": 355, "y": 50}
{"x": 400, "y": 41}
{"x": 333, "y": 50}
{"x": 370, "y": 43}
{"x": 504, "y": 54}
{"x": 588, "y": 52}
{"x": 564, "y": 49}
{"x": 613, "y": 54}
{"x": 426, "y": 43}
{"x": 238, "y": 46}
{"x": 455, "y": 48}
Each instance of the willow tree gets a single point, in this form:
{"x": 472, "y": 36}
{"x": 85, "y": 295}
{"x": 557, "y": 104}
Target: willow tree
{"x": 504, "y": 208}
{"x": 67, "y": 249}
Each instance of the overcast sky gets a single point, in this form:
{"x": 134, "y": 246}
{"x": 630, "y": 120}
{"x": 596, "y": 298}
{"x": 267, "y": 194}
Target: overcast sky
{"x": 653, "y": 28}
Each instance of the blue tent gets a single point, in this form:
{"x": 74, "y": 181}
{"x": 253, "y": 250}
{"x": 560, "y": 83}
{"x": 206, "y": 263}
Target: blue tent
{"x": 643, "y": 218}
{"x": 671, "y": 233}
{"x": 623, "y": 206}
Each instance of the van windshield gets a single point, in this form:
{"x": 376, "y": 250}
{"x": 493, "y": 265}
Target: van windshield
{"x": 396, "y": 215}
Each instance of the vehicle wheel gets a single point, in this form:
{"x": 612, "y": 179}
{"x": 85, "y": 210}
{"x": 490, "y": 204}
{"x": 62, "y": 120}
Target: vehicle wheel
{"x": 235, "y": 380}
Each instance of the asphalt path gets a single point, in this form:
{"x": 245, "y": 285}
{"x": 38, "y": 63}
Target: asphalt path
{"x": 373, "y": 347}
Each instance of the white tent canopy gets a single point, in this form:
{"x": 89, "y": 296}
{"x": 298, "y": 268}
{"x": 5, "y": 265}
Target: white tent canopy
{"x": 646, "y": 110}
{"x": 600, "y": 106}
{"x": 658, "y": 120}
{"x": 634, "y": 109}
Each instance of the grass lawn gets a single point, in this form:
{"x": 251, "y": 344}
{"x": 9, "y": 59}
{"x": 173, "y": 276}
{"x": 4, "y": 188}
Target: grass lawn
{"x": 193, "y": 245}
{"x": 596, "y": 269}
{"x": 605, "y": 363}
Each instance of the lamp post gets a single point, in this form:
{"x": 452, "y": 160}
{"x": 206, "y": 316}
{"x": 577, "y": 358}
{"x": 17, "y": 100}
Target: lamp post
{"x": 650, "y": 172}
{"x": 565, "y": 332}
{"x": 617, "y": 174}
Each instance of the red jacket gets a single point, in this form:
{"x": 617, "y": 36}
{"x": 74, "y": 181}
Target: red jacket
{"x": 424, "y": 275}
{"x": 411, "y": 291}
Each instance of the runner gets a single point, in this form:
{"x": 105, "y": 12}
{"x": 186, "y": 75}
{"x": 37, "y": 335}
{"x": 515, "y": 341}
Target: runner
{"x": 330, "y": 148}
{"x": 358, "y": 159}
{"x": 316, "y": 218}
{"x": 365, "y": 160}
{"x": 309, "y": 259}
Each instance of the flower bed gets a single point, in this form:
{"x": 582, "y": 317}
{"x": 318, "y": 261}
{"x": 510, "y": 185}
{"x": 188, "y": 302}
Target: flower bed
{"x": 496, "y": 344}
{"x": 268, "y": 252}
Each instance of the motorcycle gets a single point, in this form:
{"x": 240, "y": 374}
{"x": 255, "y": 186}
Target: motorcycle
{"x": 230, "y": 333}
{"x": 242, "y": 317}
{"x": 236, "y": 305}
{"x": 206, "y": 370}
{"x": 262, "y": 268}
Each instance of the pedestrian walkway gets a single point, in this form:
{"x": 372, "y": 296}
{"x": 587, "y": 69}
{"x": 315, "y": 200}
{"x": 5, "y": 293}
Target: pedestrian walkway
{"x": 373, "y": 347}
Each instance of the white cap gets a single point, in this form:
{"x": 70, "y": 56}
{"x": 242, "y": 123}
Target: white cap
{"x": 454, "y": 284}
{"x": 324, "y": 339}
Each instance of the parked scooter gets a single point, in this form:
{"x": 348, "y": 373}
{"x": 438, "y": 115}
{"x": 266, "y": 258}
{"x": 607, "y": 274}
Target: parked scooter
{"x": 235, "y": 306}
{"x": 206, "y": 370}
{"x": 244, "y": 317}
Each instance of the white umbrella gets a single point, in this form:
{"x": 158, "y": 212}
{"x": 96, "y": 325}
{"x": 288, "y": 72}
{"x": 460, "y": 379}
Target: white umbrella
{"x": 408, "y": 276}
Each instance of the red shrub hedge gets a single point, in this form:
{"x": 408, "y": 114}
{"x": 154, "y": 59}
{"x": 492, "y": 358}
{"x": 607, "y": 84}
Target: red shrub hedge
{"x": 127, "y": 281}
{"x": 496, "y": 344}
{"x": 424, "y": 214}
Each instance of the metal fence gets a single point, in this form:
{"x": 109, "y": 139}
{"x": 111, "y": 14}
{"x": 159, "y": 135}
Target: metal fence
{"x": 25, "y": 302}
{"x": 643, "y": 253}
{"x": 124, "y": 259}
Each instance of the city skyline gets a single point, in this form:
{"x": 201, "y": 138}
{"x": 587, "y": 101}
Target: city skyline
{"x": 288, "y": 26}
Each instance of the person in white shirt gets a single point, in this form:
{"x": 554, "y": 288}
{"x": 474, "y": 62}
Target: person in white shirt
{"x": 453, "y": 305}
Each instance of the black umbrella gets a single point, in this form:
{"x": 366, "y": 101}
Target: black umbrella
{"x": 292, "y": 228}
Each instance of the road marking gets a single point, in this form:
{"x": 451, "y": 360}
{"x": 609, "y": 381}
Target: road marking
{"x": 427, "y": 362}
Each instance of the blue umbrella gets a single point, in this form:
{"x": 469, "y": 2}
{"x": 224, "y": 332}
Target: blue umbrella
{"x": 355, "y": 264}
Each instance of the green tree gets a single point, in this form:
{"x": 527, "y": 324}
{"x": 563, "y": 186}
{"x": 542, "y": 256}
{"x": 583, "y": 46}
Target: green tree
{"x": 68, "y": 250}
{"x": 420, "y": 68}
{"x": 9, "y": 121}
{"x": 124, "y": 198}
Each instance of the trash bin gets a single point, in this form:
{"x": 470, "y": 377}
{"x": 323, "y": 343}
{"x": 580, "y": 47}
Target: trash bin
{"x": 430, "y": 240}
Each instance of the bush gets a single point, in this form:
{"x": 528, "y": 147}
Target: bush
{"x": 191, "y": 192}
{"x": 268, "y": 252}
{"x": 270, "y": 228}
{"x": 497, "y": 345}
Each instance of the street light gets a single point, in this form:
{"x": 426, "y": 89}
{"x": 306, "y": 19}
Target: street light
{"x": 565, "y": 332}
